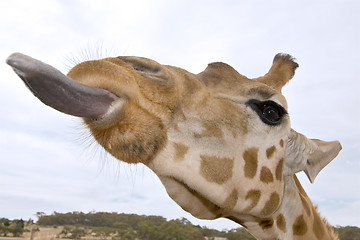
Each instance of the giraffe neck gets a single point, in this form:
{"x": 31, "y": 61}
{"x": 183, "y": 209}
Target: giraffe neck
{"x": 297, "y": 218}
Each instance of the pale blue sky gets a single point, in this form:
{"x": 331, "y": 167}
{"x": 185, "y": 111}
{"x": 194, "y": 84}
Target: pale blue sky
{"x": 46, "y": 163}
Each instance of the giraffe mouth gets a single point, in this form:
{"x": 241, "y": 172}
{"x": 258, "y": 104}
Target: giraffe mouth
{"x": 59, "y": 91}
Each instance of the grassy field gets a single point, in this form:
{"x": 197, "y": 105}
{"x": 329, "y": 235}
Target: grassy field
{"x": 45, "y": 233}
{"x": 52, "y": 233}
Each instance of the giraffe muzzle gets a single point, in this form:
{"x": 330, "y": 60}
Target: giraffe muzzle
{"x": 60, "y": 92}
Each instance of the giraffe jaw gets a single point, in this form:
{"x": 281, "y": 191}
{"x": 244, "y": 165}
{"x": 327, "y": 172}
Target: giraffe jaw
{"x": 61, "y": 92}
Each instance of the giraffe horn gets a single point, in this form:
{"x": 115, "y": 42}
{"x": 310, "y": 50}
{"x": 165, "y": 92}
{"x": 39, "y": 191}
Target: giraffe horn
{"x": 59, "y": 91}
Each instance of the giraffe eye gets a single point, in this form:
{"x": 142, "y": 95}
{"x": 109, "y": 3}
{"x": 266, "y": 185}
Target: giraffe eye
{"x": 269, "y": 112}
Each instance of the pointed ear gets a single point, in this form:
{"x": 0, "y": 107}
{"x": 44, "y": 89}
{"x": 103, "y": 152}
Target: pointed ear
{"x": 322, "y": 156}
{"x": 282, "y": 70}
{"x": 308, "y": 155}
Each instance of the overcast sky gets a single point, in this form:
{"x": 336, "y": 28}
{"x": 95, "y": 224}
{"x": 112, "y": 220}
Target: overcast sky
{"x": 47, "y": 161}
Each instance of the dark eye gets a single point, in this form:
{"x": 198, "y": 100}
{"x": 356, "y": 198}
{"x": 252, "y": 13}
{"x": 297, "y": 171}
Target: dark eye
{"x": 269, "y": 112}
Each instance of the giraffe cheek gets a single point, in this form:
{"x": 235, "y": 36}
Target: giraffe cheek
{"x": 127, "y": 138}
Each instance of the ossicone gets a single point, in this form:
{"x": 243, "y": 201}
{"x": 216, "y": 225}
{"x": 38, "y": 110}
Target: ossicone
{"x": 281, "y": 71}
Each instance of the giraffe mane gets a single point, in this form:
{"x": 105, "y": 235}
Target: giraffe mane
{"x": 334, "y": 235}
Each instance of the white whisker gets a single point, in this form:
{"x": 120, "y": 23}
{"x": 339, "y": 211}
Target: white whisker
{"x": 92, "y": 51}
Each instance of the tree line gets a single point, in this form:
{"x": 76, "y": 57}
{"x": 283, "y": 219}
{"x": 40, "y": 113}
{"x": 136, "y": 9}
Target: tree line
{"x": 121, "y": 226}
{"x": 131, "y": 226}
{"x": 15, "y": 227}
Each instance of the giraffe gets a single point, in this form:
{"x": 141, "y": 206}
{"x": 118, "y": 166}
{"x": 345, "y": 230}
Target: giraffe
{"x": 221, "y": 143}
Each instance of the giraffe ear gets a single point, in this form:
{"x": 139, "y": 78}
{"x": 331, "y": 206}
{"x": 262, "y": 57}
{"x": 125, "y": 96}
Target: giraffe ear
{"x": 324, "y": 153}
{"x": 308, "y": 155}
{"x": 281, "y": 71}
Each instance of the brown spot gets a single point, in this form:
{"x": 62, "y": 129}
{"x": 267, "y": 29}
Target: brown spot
{"x": 251, "y": 162}
{"x": 270, "y": 152}
{"x": 271, "y": 205}
{"x": 281, "y": 222}
{"x": 254, "y": 196}
{"x": 267, "y": 223}
{"x": 318, "y": 227}
{"x": 180, "y": 151}
{"x": 210, "y": 130}
{"x": 231, "y": 200}
{"x": 266, "y": 175}
{"x": 299, "y": 227}
{"x": 216, "y": 169}
{"x": 279, "y": 170}
{"x": 305, "y": 205}
{"x": 281, "y": 143}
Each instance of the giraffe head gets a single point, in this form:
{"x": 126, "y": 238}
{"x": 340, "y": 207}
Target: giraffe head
{"x": 221, "y": 143}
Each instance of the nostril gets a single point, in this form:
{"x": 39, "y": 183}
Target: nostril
{"x": 146, "y": 69}
{"x": 142, "y": 65}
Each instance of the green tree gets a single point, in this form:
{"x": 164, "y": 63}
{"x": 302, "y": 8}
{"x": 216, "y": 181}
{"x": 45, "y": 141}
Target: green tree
{"x": 18, "y": 228}
{"x": 103, "y": 232}
{"x": 77, "y": 233}
{"x": 208, "y": 232}
{"x": 7, "y": 223}
{"x": 4, "y": 226}
{"x": 39, "y": 214}
{"x": 239, "y": 233}
{"x": 180, "y": 229}
{"x": 348, "y": 233}
{"x": 65, "y": 232}
{"x": 147, "y": 231}
{"x": 128, "y": 234}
